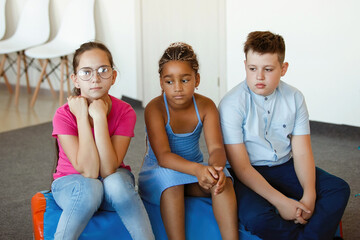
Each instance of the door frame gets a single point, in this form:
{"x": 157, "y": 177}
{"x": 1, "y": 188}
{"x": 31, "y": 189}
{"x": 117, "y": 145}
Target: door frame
{"x": 222, "y": 78}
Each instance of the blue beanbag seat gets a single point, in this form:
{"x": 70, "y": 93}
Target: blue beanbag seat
{"x": 200, "y": 222}
{"x": 46, "y": 213}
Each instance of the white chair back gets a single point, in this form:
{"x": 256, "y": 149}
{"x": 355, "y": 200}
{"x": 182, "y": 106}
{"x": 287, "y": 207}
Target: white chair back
{"x": 78, "y": 24}
{"x": 2, "y": 18}
{"x": 34, "y": 26}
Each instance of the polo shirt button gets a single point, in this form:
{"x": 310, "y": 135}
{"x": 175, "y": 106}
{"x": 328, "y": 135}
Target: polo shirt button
{"x": 284, "y": 126}
{"x": 266, "y": 98}
{"x": 275, "y": 150}
{"x": 268, "y": 112}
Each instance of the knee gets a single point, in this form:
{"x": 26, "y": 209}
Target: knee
{"x": 339, "y": 189}
{"x": 87, "y": 193}
{"x": 174, "y": 192}
{"x": 342, "y": 189}
{"x": 119, "y": 186}
{"x": 229, "y": 185}
{"x": 92, "y": 193}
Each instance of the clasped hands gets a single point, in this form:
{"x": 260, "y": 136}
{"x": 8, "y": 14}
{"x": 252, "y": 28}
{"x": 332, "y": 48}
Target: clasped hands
{"x": 298, "y": 211}
{"x": 210, "y": 177}
{"x": 79, "y": 107}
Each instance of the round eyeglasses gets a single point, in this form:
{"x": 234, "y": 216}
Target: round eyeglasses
{"x": 86, "y": 73}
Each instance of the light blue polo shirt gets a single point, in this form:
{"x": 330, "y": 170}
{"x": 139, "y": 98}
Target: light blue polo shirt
{"x": 264, "y": 124}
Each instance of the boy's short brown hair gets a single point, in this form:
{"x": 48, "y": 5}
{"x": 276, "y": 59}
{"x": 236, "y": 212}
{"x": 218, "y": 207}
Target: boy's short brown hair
{"x": 265, "y": 42}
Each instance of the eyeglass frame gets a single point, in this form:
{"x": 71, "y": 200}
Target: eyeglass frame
{"x": 96, "y": 69}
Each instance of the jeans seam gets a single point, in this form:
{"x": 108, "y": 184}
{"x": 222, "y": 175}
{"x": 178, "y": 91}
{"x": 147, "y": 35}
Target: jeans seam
{"x": 73, "y": 207}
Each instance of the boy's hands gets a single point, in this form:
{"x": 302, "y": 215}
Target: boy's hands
{"x": 310, "y": 204}
{"x": 290, "y": 209}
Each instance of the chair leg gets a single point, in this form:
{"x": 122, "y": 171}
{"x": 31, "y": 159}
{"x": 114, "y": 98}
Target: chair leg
{"x": 49, "y": 82}
{"x": 67, "y": 77}
{"x": 2, "y": 74}
{"x": 26, "y": 72}
{"x": 61, "y": 95}
{"x": 7, "y": 83}
{"x": 17, "y": 88}
{"x": 32, "y": 103}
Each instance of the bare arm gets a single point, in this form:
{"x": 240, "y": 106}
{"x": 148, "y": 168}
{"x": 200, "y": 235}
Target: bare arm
{"x": 213, "y": 137}
{"x": 155, "y": 125}
{"x": 81, "y": 150}
{"x": 239, "y": 160}
{"x": 111, "y": 150}
{"x": 305, "y": 169}
{"x": 214, "y": 142}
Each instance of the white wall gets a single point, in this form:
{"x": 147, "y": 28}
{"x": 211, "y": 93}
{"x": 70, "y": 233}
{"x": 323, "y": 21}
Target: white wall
{"x": 116, "y": 26}
{"x": 321, "y": 36}
{"x": 322, "y": 39}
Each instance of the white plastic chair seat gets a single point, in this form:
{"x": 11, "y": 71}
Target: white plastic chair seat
{"x": 52, "y": 49}
{"x": 33, "y": 28}
{"x": 14, "y": 44}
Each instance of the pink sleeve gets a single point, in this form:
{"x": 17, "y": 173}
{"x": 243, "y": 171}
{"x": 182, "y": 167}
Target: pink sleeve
{"x": 124, "y": 119}
{"x": 64, "y": 122}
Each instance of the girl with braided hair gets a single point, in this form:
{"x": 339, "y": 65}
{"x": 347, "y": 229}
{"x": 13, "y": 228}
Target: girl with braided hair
{"x": 173, "y": 165}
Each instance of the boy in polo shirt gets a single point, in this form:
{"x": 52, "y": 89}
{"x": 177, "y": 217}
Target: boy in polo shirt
{"x": 265, "y": 125}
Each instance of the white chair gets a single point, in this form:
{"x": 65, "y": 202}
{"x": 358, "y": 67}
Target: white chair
{"x": 77, "y": 27}
{"x": 33, "y": 29}
{"x": 2, "y": 18}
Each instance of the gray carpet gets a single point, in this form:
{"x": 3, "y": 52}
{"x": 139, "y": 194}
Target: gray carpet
{"x": 27, "y": 156}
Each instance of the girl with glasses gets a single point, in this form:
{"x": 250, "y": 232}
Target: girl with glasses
{"x": 93, "y": 132}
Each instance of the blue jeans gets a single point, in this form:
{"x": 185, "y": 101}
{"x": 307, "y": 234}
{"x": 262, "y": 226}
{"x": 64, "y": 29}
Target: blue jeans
{"x": 261, "y": 218}
{"x": 80, "y": 197}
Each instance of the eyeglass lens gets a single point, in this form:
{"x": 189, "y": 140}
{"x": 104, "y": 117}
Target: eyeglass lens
{"x": 86, "y": 73}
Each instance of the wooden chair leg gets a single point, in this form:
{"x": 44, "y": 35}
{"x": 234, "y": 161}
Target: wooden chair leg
{"x": 51, "y": 86}
{"x": 2, "y": 74}
{"x": 7, "y": 83}
{"x": 26, "y": 72}
{"x": 48, "y": 80}
{"x": 36, "y": 92}
{"x": 17, "y": 88}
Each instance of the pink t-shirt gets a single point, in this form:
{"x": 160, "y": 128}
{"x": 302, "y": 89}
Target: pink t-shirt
{"x": 121, "y": 121}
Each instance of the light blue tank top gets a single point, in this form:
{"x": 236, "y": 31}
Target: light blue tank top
{"x": 185, "y": 145}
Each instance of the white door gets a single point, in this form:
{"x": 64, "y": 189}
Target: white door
{"x": 196, "y": 22}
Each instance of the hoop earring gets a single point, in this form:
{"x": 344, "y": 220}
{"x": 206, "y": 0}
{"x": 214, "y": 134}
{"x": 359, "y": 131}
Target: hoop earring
{"x": 196, "y": 88}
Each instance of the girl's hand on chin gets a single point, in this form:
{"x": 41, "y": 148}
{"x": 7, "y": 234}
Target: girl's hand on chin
{"x": 78, "y": 106}
{"x": 98, "y": 108}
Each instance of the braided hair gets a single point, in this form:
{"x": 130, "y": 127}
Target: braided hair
{"x": 179, "y": 51}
